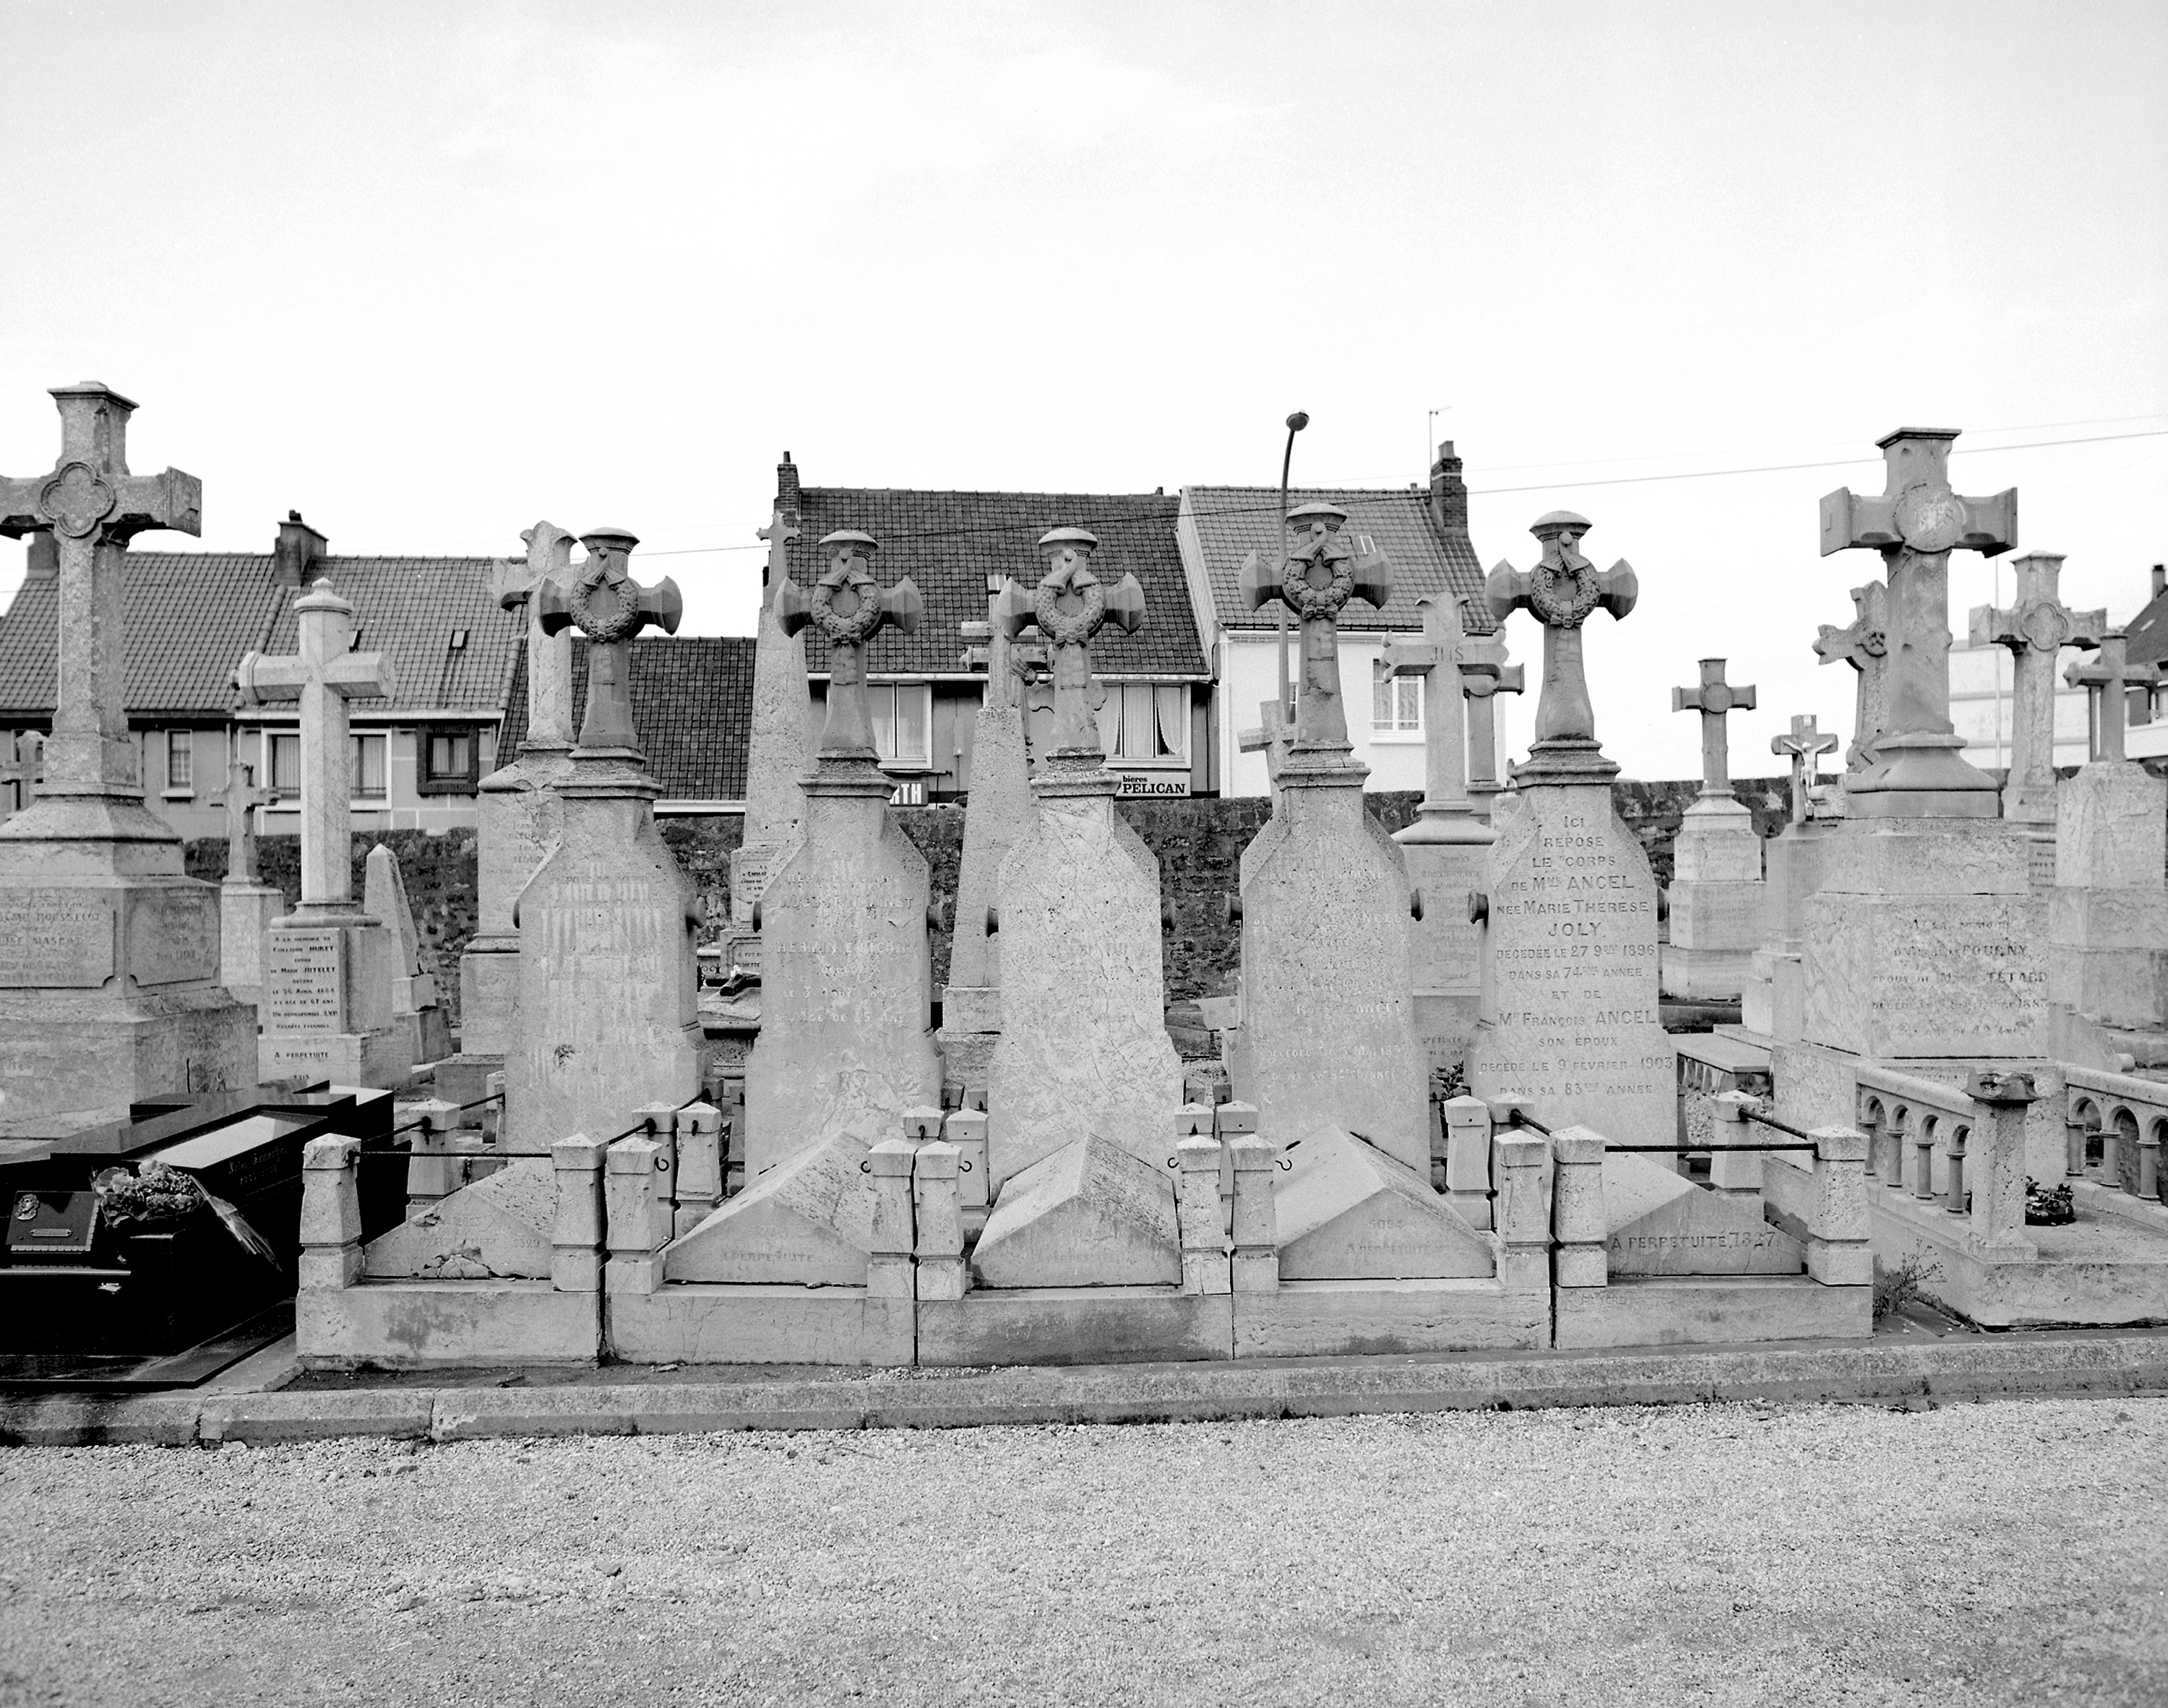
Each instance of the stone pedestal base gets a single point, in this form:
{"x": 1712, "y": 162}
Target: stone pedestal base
{"x": 378, "y": 1058}
{"x": 69, "y": 1061}
{"x": 245, "y": 912}
{"x": 489, "y": 995}
{"x": 1703, "y": 975}
{"x": 327, "y": 995}
{"x": 1446, "y": 944}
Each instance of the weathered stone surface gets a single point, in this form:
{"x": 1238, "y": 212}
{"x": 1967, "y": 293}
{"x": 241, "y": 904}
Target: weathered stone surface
{"x": 1445, "y": 944}
{"x": 1329, "y": 1034}
{"x": 499, "y": 1226}
{"x": 2112, "y": 828}
{"x": 1927, "y": 857}
{"x": 1570, "y": 1015}
{"x": 519, "y": 821}
{"x": 414, "y": 1005}
{"x": 1657, "y": 1222}
{"x": 807, "y": 1221}
{"x": 1723, "y": 916}
{"x": 1089, "y": 1215}
{"x": 327, "y": 992}
{"x": 1347, "y": 1212}
{"x": 1083, "y": 1049}
{"x": 1716, "y": 843}
{"x": 244, "y": 914}
{"x": 1001, "y": 813}
{"x": 847, "y": 986}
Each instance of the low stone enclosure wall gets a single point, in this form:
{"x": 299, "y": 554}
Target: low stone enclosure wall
{"x": 1198, "y": 844}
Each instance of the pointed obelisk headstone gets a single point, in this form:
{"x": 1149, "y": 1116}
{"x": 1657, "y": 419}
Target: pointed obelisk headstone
{"x": 608, "y": 1020}
{"x": 247, "y": 906}
{"x": 108, "y": 951}
{"x": 847, "y": 975}
{"x": 1569, "y": 1016}
{"x": 414, "y": 1002}
{"x": 329, "y": 980}
{"x": 1328, "y": 1034}
{"x": 1447, "y": 846}
{"x": 519, "y": 820}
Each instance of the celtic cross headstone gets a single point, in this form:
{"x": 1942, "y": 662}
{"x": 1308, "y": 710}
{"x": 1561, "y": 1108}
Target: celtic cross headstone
{"x": 603, "y": 602}
{"x": 1563, "y": 591}
{"x": 1324, "y": 568}
{"x": 1069, "y": 606}
{"x": 1864, "y": 644}
{"x": 2036, "y": 627}
{"x": 1915, "y": 522}
{"x": 847, "y": 608}
{"x": 1715, "y": 700}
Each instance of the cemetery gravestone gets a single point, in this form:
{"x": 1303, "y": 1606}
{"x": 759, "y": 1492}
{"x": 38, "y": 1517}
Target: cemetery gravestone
{"x": 1773, "y": 1003}
{"x": 247, "y": 906}
{"x": 2036, "y": 629}
{"x": 519, "y": 820}
{"x": 606, "y": 1019}
{"x": 1448, "y": 846}
{"x": 1570, "y": 1016}
{"x": 414, "y": 1004}
{"x": 108, "y": 951}
{"x": 1484, "y": 676}
{"x": 330, "y": 966}
{"x": 1864, "y": 644}
{"x": 1328, "y": 1035}
{"x": 1716, "y": 875}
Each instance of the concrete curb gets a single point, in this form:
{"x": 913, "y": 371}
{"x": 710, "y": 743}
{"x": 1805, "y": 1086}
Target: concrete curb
{"x": 1970, "y": 1367}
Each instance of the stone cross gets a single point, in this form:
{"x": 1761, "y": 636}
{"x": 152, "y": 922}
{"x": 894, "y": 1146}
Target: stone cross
{"x": 1070, "y": 607}
{"x": 94, "y": 506}
{"x": 1916, "y": 524}
{"x": 848, "y": 608}
{"x": 323, "y": 676}
{"x": 2036, "y": 628}
{"x": 1715, "y": 699}
{"x": 241, "y": 798}
{"x": 1324, "y": 568}
{"x": 1804, "y": 743}
{"x": 2110, "y": 677}
{"x": 22, "y": 770}
{"x": 1864, "y": 644}
{"x": 1484, "y": 676}
{"x": 602, "y": 599}
{"x": 516, "y": 581}
{"x": 1436, "y": 657}
{"x": 782, "y": 528}
{"x": 1562, "y": 589}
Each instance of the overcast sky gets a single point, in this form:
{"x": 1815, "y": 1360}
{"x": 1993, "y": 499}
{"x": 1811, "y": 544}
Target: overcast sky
{"x": 427, "y": 273}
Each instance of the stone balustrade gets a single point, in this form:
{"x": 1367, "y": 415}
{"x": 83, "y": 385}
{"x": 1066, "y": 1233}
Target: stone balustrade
{"x": 2116, "y": 1123}
{"x": 1961, "y": 1149}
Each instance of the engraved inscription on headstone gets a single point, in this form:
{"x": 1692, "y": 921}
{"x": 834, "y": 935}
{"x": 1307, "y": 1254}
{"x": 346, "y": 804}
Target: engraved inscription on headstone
{"x": 54, "y": 937}
{"x": 173, "y": 936}
{"x": 305, "y": 983}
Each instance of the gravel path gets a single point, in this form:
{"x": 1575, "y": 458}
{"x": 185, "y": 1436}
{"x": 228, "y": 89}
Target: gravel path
{"x": 2008, "y": 1552}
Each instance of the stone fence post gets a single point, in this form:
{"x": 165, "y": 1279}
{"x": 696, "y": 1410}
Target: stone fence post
{"x": 1467, "y": 1158}
{"x": 1837, "y": 1252}
{"x": 331, "y": 1214}
{"x": 890, "y": 1270}
{"x": 935, "y": 1174}
{"x": 1577, "y": 1217}
{"x": 1198, "y": 1157}
{"x": 637, "y": 1189}
{"x": 1733, "y": 1169}
{"x": 966, "y": 1129}
{"x": 699, "y": 1165}
{"x": 1256, "y": 1239}
{"x": 1998, "y": 1175}
{"x": 433, "y": 1170}
{"x": 1524, "y": 1233}
{"x": 575, "y": 1238}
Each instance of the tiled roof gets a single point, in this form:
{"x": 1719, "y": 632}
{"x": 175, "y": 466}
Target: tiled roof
{"x": 1230, "y": 520}
{"x": 410, "y": 608}
{"x": 692, "y": 702}
{"x": 2148, "y": 632}
{"x": 190, "y": 616}
{"x": 948, "y": 542}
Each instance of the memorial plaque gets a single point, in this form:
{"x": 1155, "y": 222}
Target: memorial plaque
{"x": 1922, "y": 975}
{"x": 55, "y": 938}
{"x": 749, "y": 870}
{"x": 1570, "y": 1015}
{"x": 304, "y": 984}
{"x": 173, "y": 936}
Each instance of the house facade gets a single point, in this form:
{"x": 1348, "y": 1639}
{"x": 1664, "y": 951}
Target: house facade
{"x": 416, "y": 757}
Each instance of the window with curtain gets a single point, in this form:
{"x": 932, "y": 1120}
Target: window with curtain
{"x": 448, "y": 762}
{"x": 368, "y": 763}
{"x": 180, "y": 759}
{"x": 902, "y": 716}
{"x": 285, "y": 764}
{"x": 1145, "y": 721}
{"x": 1395, "y": 702}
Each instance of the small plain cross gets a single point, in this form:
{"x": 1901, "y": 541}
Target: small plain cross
{"x": 1803, "y": 744}
{"x": 847, "y": 608}
{"x": 94, "y": 506}
{"x": 2109, "y": 678}
{"x": 1562, "y": 591}
{"x": 1069, "y": 606}
{"x": 1484, "y": 676}
{"x": 1864, "y": 644}
{"x": 323, "y": 675}
{"x": 1916, "y": 524}
{"x": 22, "y": 769}
{"x": 516, "y": 583}
{"x": 782, "y": 528}
{"x": 602, "y": 600}
{"x": 1446, "y": 812}
{"x": 2036, "y": 629}
{"x": 1715, "y": 699}
{"x": 241, "y": 798}
{"x": 1324, "y": 568}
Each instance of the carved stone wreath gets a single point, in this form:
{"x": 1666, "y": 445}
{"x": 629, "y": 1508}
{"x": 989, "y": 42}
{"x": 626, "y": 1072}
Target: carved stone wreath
{"x": 604, "y": 629}
{"x": 1074, "y": 628}
{"x": 1306, "y": 600}
{"x": 860, "y": 626}
{"x": 1563, "y": 597}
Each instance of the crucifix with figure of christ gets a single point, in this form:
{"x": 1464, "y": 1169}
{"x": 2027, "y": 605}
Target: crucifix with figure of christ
{"x": 1803, "y": 742}
{"x": 94, "y": 506}
{"x": 1915, "y": 522}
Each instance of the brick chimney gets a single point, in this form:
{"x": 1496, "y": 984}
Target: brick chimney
{"x": 43, "y": 562}
{"x": 299, "y": 552}
{"x": 786, "y": 484}
{"x": 1449, "y": 492}
{"x": 2160, "y": 580}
